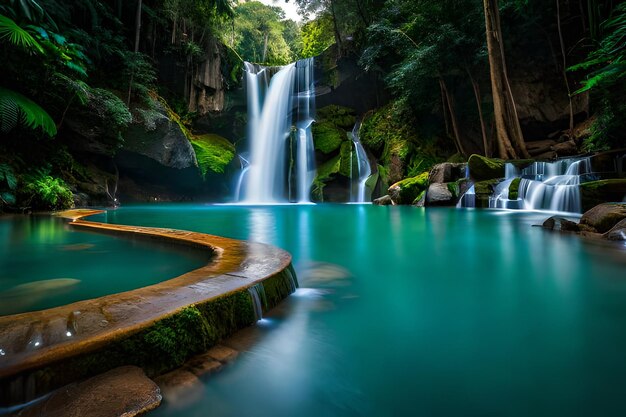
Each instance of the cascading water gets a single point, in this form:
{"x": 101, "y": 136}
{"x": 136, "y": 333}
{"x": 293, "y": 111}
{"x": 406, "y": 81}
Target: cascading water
{"x": 279, "y": 100}
{"x": 364, "y": 169}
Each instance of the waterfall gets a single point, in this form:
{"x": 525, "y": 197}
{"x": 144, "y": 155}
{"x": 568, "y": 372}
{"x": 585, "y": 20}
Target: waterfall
{"x": 279, "y": 100}
{"x": 364, "y": 170}
{"x": 259, "y": 301}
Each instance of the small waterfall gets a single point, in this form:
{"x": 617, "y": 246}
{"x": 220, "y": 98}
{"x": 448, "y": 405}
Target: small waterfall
{"x": 259, "y": 301}
{"x": 245, "y": 165}
{"x": 364, "y": 169}
{"x": 468, "y": 199}
{"x": 278, "y": 99}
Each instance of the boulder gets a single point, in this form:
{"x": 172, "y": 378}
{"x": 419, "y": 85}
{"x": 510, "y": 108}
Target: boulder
{"x": 124, "y": 391}
{"x": 160, "y": 138}
{"x": 482, "y": 168}
{"x": 179, "y": 386}
{"x": 484, "y": 190}
{"x": 383, "y": 201}
{"x": 540, "y": 146}
{"x": 560, "y": 224}
{"x": 618, "y": 232}
{"x": 446, "y": 172}
{"x": 602, "y": 191}
{"x": 407, "y": 190}
{"x": 604, "y": 216}
{"x": 566, "y": 148}
{"x": 441, "y": 195}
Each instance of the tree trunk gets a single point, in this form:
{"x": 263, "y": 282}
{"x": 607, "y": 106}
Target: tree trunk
{"x": 445, "y": 109}
{"x": 509, "y": 133}
{"x": 455, "y": 126}
{"x": 361, "y": 13}
{"x": 265, "y": 46}
{"x": 336, "y": 27}
{"x": 564, "y": 69}
{"x": 483, "y": 130}
{"x": 137, "y": 25}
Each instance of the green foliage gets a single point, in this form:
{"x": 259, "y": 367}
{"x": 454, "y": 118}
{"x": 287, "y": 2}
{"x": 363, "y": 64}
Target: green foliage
{"x": 410, "y": 189}
{"x": 325, "y": 172}
{"x": 213, "y": 152}
{"x": 317, "y": 35}
{"x": 17, "y": 109}
{"x": 348, "y": 166}
{"x": 111, "y": 108}
{"x": 339, "y": 116}
{"x": 41, "y": 191}
{"x": 16, "y": 35}
{"x": 8, "y": 184}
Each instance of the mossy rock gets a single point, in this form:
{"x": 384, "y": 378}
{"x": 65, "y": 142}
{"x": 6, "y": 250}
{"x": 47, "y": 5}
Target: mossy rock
{"x": 327, "y": 137}
{"x": 409, "y": 189}
{"x": 602, "y": 191}
{"x": 514, "y": 189}
{"x": 482, "y": 168}
{"x": 213, "y": 153}
{"x": 604, "y": 217}
{"x": 343, "y": 117}
{"x": 484, "y": 190}
{"x": 325, "y": 173}
{"x": 348, "y": 159}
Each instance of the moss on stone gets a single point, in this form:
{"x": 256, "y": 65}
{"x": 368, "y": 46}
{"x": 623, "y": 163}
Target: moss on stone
{"x": 407, "y": 190}
{"x": 514, "y": 189}
{"x": 213, "y": 152}
{"x": 602, "y": 191}
{"x": 483, "y": 190}
{"x": 348, "y": 159}
{"x": 327, "y": 137}
{"x": 454, "y": 188}
{"x": 482, "y": 168}
{"x": 343, "y": 117}
{"x": 325, "y": 172}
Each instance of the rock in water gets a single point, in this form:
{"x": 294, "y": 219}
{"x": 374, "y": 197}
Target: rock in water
{"x": 605, "y": 216}
{"x": 618, "y": 232}
{"x": 440, "y": 195}
{"x": 559, "y": 223}
{"x": 124, "y": 391}
{"x": 383, "y": 201}
{"x": 446, "y": 172}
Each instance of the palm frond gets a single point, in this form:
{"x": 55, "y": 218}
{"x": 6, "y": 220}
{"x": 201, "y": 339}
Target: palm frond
{"x": 16, "y": 109}
{"x": 18, "y": 36}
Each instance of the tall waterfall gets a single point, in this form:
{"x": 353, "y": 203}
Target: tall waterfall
{"x": 364, "y": 170}
{"x": 281, "y": 101}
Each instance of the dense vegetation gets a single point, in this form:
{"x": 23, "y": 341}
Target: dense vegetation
{"x": 77, "y": 74}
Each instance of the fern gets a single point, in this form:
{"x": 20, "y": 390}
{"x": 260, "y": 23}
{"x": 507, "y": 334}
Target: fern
{"x": 16, "y": 109}
{"x": 18, "y": 36}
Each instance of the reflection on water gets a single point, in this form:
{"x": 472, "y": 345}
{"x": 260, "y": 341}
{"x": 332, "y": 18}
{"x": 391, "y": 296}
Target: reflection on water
{"x": 412, "y": 312}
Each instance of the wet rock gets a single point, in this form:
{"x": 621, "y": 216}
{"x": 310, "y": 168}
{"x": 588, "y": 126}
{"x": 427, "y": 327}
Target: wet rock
{"x": 602, "y": 191}
{"x": 547, "y": 155}
{"x": 383, "y": 201}
{"x": 203, "y": 365}
{"x": 482, "y": 168}
{"x": 222, "y": 353}
{"x": 179, "y": 386}
{"x": 440, "y": 195}
{"x": 618, "y": 232}
{"x": 408, "y": 190}
{"x": 124, "y": 391}
{"x": 604, "y": 216}
{"x": 539, "y": 146}
{"x": 446, "y": 172}
{"x": 560, "y": 224}
{"x": 566, "y": 148}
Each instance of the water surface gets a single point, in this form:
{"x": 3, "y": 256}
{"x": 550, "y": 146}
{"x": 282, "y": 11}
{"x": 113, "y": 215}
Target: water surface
{"x": 413, "y": 312}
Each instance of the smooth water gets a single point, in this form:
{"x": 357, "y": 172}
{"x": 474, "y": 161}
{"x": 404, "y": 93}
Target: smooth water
{"x": 45, "y": 263}
{"x": 364, "y": 169}
{"x": 410, "y": 312}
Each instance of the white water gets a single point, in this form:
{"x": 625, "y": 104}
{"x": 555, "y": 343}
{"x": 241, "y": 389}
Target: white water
{"x": 278, "y": 104}
{"x": 550, "y": 186}
{"x": 364, "y": 169}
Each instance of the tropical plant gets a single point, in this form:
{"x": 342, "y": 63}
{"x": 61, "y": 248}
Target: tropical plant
{"x": 16, "y": 109}
{"x": 8, "y": 184}
{"x": 43, "y": 191}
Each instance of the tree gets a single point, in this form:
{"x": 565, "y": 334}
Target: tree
{"x": 509, "y": 135}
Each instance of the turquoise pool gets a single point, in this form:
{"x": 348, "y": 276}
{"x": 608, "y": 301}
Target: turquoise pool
{"x": 413, "y": 312}
{"x": 45, "y": 263}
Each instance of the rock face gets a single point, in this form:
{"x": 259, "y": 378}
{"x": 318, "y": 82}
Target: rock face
{"x": 124, "y": 391}
{"x": 408, "y": 190}
{"x": 482, "y": 168}
{"x": 604, "y": 216}
{"x": 160, "y": 138}
{"x": 383, "y": 201}
{"x": 560, "y": 224}
{"x": 440, "y": 195}
{"x": 446, "y": 172}
{"x": 618, "y": 232}
{"x": 598, "y": 192}
{"x": 207, "y": 91}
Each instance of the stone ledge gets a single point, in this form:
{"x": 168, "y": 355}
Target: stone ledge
{"x": 132, "y": 328}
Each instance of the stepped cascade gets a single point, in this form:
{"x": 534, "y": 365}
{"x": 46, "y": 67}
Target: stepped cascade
{"x": 280, "y": 166}
{"x": 550, "y": 186}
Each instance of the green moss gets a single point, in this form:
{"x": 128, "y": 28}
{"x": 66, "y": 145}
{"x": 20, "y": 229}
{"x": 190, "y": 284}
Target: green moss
{"x": 325, "y": 172}
{"x": 327, "y": 137}
{"x": 482, "y": 168}
{"x": 339, "y": 116}
{"x": 410, "y": 188}
{"x": 483, "y": 190}
{"x": 602, "y": 191}
{"x": 514, "y": 189}
{"x": 419, "y": 197}
{"x": 348, "y": 160}
{"x": 454, "y": 189}
{"x": 213, "y": 152}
